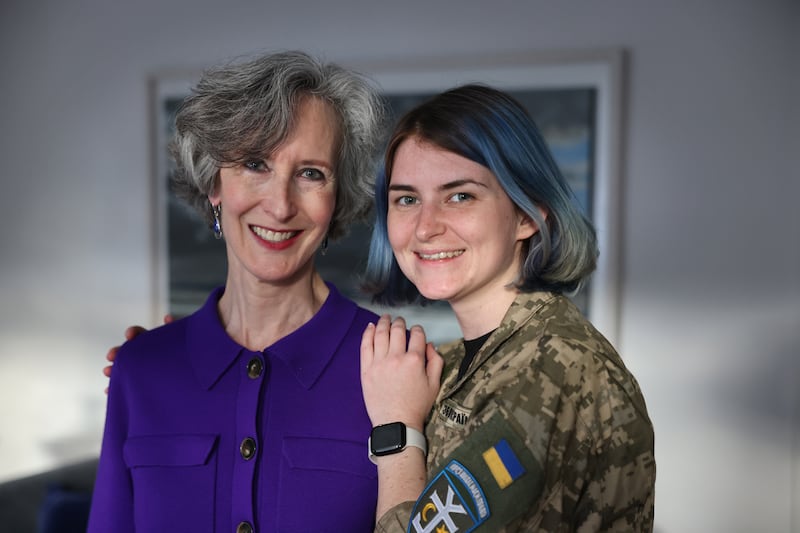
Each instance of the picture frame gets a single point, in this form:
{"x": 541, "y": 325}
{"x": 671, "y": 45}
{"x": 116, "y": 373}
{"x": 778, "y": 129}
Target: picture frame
{"x": 574, "y": 96}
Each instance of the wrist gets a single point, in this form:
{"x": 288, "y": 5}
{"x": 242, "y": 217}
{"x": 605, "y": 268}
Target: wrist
{"x": 393, "y": 438}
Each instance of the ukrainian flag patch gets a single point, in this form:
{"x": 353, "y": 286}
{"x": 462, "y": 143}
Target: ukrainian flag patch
{"x": 503, "y": 463}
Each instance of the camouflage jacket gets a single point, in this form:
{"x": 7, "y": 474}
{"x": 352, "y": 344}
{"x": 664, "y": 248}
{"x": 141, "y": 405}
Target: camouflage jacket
{"x": 546, "y": 431}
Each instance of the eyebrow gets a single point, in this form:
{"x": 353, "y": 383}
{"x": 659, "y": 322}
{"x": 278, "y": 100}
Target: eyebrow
{"x": 455, "y": 184}
{"x": 302, "y": 163}
{"x": 316, "y": 163}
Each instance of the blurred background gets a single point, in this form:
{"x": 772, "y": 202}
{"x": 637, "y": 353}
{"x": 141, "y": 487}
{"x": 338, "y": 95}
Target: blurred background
{"x": 709, "y": 296}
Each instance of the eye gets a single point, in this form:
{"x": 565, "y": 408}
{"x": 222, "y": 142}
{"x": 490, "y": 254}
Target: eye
{"x": 403, "y": 200}
{"x": 461, "y": 197}
{"x": 406, "y": 200}
{"x": 312, "y": 174}
{"x": 256, "y": 165}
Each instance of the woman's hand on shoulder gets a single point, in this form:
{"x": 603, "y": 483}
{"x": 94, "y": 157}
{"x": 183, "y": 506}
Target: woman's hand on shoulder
{"x": 131, "y": 332}
{"x": 400, "y": 375}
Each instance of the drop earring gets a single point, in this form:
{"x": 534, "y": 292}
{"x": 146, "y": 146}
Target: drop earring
{"x": 324, "y": 248}
{"x": 216, "y": 210}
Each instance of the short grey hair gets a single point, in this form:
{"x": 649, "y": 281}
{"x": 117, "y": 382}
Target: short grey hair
{"x": 243, "y": 110}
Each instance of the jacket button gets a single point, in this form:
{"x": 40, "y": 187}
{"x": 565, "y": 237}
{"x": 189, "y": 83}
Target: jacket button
{"x": 244, "y": 527}
{"x": 254, "y": 368}
{"x": 248, "y": 448}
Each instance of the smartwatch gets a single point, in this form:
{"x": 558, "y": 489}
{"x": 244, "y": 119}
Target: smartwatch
{"x": 392, "y": 438}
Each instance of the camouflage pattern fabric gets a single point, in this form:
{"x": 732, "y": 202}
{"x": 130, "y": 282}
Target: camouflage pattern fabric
{"x": 546, "y": 432}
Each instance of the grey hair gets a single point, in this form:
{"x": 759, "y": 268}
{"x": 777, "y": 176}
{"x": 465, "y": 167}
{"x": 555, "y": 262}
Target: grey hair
{"x": 244, "y": 110}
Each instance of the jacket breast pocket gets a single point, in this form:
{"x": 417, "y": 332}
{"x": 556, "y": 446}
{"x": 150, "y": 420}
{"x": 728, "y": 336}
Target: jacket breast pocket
{"x": 174, "y": 480}
{"x": 331, "y": 476}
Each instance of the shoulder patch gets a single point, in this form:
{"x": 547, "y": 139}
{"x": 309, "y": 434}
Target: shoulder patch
{"x": 504, "y": 477}
{"x": 503, "y": 463}
{"x": 452, "y": 501}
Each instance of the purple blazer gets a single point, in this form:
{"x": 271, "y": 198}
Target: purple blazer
{"x": 203, "y": 435}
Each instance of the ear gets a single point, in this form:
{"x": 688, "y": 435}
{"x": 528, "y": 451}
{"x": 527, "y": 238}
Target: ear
{"x": 526, "y": 226}
{"x": 214, "y": 197}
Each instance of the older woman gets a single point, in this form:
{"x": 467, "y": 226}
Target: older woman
{"x": 538, "y": 425}
{"x": 248, "y": 415}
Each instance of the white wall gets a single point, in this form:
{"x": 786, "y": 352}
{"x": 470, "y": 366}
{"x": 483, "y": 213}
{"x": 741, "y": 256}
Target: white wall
{"x": 710, "y": 295}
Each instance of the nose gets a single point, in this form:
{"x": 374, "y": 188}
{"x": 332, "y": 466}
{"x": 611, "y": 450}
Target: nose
{"x": 429, "y": 222}
{"x": 278, "y": 199}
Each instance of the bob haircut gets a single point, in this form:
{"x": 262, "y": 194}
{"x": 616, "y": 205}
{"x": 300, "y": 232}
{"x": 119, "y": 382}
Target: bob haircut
{"x": 489, "y": 127}
{"x": 241, "y": 111}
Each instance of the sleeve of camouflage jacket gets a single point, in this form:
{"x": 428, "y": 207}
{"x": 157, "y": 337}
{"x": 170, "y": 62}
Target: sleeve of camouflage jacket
{"x": 396, "y": 519}
{"x": 584, "y": 418}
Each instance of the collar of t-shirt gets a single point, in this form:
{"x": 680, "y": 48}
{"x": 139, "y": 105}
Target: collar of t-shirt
{"x": 471, "y": 347}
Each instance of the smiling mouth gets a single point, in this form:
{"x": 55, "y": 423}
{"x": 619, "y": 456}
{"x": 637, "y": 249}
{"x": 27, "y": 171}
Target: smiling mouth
{"x": 438, "y": 256}
{"x": 273, "y": 236}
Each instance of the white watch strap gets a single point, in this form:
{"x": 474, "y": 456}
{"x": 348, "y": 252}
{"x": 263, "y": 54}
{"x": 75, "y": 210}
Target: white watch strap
{"x": 416, "y": 439}
{"x": 413, "y": 438}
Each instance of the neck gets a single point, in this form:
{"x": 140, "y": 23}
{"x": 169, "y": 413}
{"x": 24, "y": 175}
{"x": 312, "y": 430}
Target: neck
{"x": 480, "y": 315}
{"x": 256, "y": 314}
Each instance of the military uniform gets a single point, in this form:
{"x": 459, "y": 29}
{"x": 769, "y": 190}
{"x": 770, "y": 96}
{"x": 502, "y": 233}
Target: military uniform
{"x": 546, "y": 431}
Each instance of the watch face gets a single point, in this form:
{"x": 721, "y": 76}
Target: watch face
{"x": 388, "y": 438}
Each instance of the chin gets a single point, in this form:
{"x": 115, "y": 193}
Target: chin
{"x": 437, "y": 293}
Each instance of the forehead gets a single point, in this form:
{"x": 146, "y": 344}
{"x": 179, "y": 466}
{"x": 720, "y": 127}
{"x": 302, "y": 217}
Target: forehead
{"x": 315, "y": 118}
{"x": 310, "y": 123}
{"x": 418, "y": 162}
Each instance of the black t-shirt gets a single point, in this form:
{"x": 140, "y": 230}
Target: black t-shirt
{"x": 471, "y": 347}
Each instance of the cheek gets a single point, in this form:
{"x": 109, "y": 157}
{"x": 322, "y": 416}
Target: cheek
{"x": 231, "y": 206}
{"x": 395, "y": 231}
{"x": 233, "y": 192}
{"x": 318, "y": 206}
{"x": 325, "y": 206}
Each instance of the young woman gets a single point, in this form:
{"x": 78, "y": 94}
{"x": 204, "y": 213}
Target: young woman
{"x": 538, "y": 425}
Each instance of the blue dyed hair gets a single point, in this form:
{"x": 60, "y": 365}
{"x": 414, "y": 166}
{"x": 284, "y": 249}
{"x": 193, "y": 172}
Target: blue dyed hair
{"x": 489, "y": 127}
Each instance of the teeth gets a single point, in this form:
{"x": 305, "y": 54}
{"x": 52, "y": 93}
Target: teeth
{"x": 273, "y": 236}
{"x": 440, "y": 255}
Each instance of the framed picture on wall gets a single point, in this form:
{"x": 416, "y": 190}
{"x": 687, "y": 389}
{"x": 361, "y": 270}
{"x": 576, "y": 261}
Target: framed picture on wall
{"x": 574, "y": 97}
